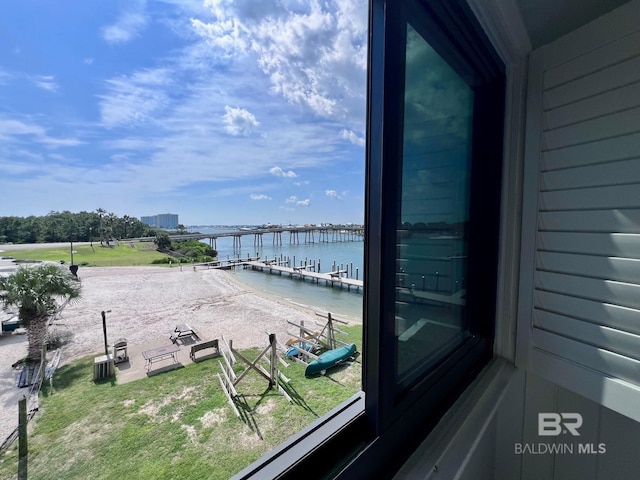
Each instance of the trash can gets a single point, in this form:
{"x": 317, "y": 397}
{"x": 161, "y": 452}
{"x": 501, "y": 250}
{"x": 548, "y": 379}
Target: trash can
{"x": 120, "y": 351}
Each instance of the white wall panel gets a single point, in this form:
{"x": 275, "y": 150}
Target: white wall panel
{"x": 614, "y": 76}
{"x": 613, "y": 125}
{"x": 605, "y": 103}
{"x": 614, "y": 52}
{"x": 606, "y": 150}
{"x": 603, "y": 174}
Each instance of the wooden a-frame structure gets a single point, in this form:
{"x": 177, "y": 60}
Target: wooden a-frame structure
{"x": 229, "y": 380}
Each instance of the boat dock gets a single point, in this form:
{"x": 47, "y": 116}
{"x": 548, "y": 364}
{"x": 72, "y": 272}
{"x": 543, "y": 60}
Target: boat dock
{"x": 335, "y": 277}
{"x": 307, "y": 272}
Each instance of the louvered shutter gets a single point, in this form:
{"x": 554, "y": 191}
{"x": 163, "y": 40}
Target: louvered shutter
{"x": 579, "y": 314}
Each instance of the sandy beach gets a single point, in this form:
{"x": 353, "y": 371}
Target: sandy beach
{"x": 144, "y": 304}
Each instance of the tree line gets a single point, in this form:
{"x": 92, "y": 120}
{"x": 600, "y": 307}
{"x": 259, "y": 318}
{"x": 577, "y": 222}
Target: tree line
{"x": 98, "y": 226}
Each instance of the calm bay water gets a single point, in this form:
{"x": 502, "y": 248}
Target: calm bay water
{"x": 344, "y": 254}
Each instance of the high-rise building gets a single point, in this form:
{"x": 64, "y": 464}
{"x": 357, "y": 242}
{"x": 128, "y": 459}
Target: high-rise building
{"x": 162, "y": 220}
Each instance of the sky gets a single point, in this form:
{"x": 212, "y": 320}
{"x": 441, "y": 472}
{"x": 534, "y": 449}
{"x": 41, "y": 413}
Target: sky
{"x": 220, "y": 111}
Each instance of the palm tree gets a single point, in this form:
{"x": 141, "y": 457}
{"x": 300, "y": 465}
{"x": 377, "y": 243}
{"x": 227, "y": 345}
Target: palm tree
{"x": 34, "y": 290}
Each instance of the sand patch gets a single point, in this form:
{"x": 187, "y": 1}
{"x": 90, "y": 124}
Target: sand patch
{"x": 152, "y": 408}
{"x": 211, "y": 418}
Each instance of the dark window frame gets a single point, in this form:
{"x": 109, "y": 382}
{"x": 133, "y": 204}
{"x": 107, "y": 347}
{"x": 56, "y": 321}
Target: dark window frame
{"x": 373, "y": 434}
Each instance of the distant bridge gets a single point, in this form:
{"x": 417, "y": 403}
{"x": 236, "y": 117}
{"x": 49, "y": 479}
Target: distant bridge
{"x": 325, "y": 234}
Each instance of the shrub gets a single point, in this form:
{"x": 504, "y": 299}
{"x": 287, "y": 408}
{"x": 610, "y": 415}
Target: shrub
{"x": 164, "y": 260}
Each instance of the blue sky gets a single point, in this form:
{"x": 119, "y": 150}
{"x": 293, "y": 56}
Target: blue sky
{"x": 223, "y": 112}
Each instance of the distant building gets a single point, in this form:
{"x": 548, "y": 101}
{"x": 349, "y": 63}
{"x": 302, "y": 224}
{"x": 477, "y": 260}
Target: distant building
{"x": 162, "y": 220}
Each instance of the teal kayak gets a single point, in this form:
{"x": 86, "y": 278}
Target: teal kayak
{"x": 330, "y": 359}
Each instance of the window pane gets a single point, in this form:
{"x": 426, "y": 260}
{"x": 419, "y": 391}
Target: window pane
{"x": 433, "y": 216}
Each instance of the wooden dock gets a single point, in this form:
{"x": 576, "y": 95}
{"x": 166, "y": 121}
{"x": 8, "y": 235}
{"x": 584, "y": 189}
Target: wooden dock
{"x": 336, "y": 277}
{"x": 306, "y": 273}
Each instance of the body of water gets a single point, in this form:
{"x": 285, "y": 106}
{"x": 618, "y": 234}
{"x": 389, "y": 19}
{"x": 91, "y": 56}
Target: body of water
{"x": 346, "y": 255}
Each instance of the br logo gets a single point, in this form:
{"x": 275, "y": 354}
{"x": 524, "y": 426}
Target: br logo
{"x": 554, "y": 424}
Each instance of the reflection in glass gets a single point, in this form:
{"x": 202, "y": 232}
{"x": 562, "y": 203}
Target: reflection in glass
{"x": 433, "y": 217}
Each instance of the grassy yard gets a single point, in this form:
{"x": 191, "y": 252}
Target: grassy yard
{"x": 176, "y": 424}
{"x": 142, "y": 253}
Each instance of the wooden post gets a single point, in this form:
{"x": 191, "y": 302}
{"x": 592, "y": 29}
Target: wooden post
{"x": 43, "y": 361}
{"x": 273, "y": 370}
{"x": 332, "y": 340}
{"x": 22, "y": 439}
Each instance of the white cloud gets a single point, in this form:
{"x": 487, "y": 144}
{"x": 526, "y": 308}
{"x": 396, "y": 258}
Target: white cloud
{"x": 314, "y": 53}
{"x": 302, "y": 203}
{"x": 239, "y": 121}
{"x": 150, "y": 120}
{"x": 10, "y": 127}
{"x": 4, "y": 77}
{"x": 132, "y": 99}
{"x": 261, "y": 196}
{"x": 46, "y": 82}
{"x": 352, "y": 137}
{"x": 11, "y": 131}
{"x": 278, "y": 172}
{"x": 332, "y": 194}
{"x": 224, "y": 35}
{"x": 128, "y": 25}
{"x": 53, "y": 142}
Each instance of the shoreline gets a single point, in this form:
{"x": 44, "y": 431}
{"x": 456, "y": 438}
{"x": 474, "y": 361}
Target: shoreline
{"x": 145, "y": 303}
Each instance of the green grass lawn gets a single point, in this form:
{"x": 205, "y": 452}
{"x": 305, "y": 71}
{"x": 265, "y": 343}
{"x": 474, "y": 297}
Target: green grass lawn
{"x": 176, "y": 424}
{"x": 142, "y": 253}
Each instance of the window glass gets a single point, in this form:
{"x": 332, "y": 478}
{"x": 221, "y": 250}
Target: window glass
{"x": 433, "y": 216}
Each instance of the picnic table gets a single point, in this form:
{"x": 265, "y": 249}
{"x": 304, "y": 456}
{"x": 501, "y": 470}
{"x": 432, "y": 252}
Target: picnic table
{"x": 183, "y": 330}
{"x": 161, "y": 353}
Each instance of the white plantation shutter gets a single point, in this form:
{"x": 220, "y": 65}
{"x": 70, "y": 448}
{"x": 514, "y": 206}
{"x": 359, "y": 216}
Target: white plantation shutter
{"x": 579, "y": 315}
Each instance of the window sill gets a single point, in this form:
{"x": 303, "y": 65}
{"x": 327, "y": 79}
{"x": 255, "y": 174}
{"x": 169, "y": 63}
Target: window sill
{"x": 283, "y": 461}
{"x": 454, "y": 440}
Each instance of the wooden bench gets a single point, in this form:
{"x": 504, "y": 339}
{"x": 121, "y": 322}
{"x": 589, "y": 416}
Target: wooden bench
{"x": 203, "y": 346}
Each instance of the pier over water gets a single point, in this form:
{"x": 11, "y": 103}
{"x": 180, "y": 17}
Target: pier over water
{"x": 308, "y": 234}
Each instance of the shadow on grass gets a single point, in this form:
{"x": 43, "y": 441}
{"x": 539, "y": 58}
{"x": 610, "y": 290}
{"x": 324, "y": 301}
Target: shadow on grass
{"x": 66, "y": 376}
{"x": 247, "y": 412}
{"x": 102, "y": 381}
{"x": 337, "y": 369}
{"x": 297, "y": 399}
